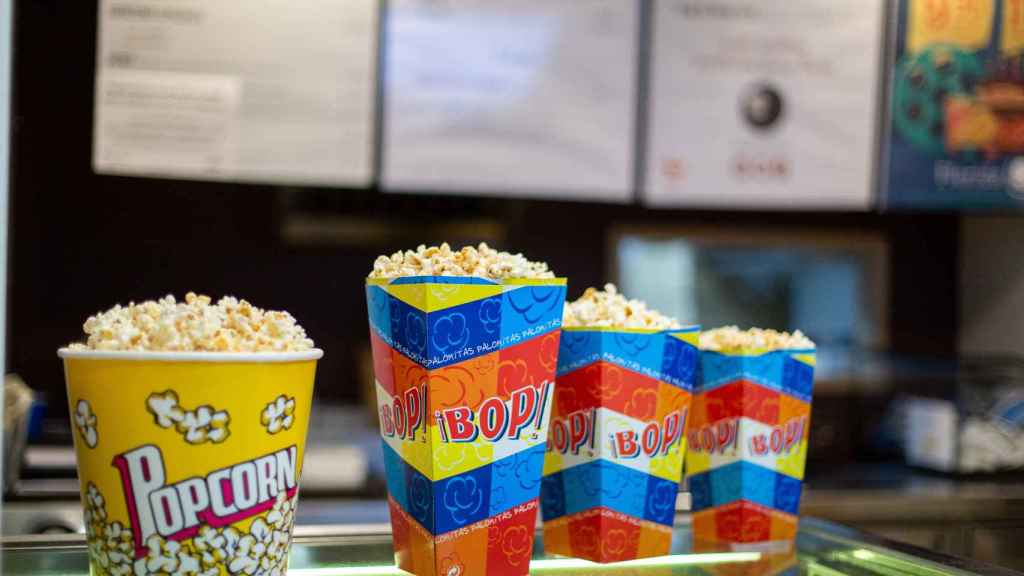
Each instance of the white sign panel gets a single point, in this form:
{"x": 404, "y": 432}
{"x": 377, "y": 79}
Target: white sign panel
{"x": 763, "y": 104}
{"x": 268, "y": 91}
{"x": 521, "y": 97}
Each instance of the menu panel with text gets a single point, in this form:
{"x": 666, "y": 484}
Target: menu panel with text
{"x": 513, "y": 97}
{"x": 270, "y": 91}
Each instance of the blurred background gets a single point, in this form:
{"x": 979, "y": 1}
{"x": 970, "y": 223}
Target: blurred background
{"x": 845, "y": 167}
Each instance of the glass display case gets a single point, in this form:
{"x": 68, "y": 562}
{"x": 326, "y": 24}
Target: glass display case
{"x": 821, "y": 549}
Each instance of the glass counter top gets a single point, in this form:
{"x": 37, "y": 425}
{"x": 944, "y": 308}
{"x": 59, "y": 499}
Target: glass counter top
{"x": 821, "y": 549}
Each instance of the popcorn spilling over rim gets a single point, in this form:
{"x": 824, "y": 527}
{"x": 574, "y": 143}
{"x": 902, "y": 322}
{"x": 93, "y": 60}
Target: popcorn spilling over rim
{"x": 195, "y": 325}
{"x": 482, "y": 261}
{"x": 609, "y": 309}
{"x": 732, "y": 339}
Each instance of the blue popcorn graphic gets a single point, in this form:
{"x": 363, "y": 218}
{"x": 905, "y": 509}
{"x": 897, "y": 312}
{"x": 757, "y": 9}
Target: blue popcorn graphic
{"x": 631, "y": 343}
{"x": 416, "y": 332}
{"x": 419, "y": 499}
{"x": 528, "y": 468}
{"x": 661, "y": 500}
{"x": 490, "y": 316}
{"x": 450, "y": 332}
{"x": 534, "y": 302}
{"x": 463, "y": 499}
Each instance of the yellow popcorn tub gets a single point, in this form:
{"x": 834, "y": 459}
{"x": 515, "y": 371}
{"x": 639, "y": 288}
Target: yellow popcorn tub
{"x": 189, "y": 462}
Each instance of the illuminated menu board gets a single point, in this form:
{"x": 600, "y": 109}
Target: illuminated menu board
{"x": 269, "y": 91}
{"x": 763, "y": 104}
{"x": 511, "y": 97}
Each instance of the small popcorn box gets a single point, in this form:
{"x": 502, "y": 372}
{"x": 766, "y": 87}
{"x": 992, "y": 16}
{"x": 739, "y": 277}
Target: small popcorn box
{"x": 465, "y": 373}
{"x": 617, "y": 441}
{"x": 748, "y": 444}
{"x": 189, "y": 462}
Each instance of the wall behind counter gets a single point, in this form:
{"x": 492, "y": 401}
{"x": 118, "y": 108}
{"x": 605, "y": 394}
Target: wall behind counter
{"x": 81, "y": 242}
{"x": 992, "y": 285}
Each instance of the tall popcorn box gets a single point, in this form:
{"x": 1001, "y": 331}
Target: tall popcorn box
{"x": 465, "y": 373}
{"x": 617, "y": 441}
{"x": 748, "y": 444}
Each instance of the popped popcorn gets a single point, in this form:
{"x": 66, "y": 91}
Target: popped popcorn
{"x": 195, "y": 325}
{"x": 85, "y": 422}
{"x": 197, "y": 426}
{"x": 731, "y": 339}
{"x": 609, "y": 309}
{"x": 482, "y": 261}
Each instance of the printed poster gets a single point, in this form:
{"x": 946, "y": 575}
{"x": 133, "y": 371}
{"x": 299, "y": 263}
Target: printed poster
{"x": 955, "y": 136}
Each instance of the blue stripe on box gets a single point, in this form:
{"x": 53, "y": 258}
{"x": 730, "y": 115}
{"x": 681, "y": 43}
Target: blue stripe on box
{"x": 576, "y": 349}
{"x": 798, "y": 379}
{"x": 408, "y": 330}
{"x": 656, "y": 355}
{"x": 462, "y": 500}
{"x": 661, "y": 500}
{"x": 745, "y": 481}
{"x": 469, "y": 497}
{"x": 777, "y": 370}
{"x": 613, "y": 486}
{"x": 516, "y": 479}
{"x": 529, "y": 311}
{"x": 378, "y": 306}
{"x": 680, "y": 362}
{"x": 455, "y": 333}
{"x": 394, "y": 472}
{"x": 460, "y": 333}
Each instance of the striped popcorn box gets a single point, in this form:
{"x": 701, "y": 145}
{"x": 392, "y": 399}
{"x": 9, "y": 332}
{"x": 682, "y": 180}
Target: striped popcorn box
{"x": 748, "y": 444}
{"x": 465, "y": 375}
{"x": 617, "y": 441}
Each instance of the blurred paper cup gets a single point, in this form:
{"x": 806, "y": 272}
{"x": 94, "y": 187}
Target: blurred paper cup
{"x": 748, "y": 444}
{"x": 189, "y": 462}
{"x": 617, "y": 441}
{"x": 465, "y": 371}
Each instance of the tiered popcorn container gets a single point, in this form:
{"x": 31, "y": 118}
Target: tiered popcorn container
{"x": 189, "y": 462}
{"x": 748, "y": 443}
{"x": 617, "y": 441}
{"x": 465, "y": 371}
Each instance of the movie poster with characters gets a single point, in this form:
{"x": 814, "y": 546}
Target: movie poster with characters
{"x": 956, "y": 127}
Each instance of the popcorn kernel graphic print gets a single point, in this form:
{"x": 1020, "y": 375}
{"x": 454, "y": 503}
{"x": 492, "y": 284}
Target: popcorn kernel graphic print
{"x": 262, "y": 550}
{"x": 204, "y": 424}
{"x": 85, "y": 422}
{"x": 278, "y": 415}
